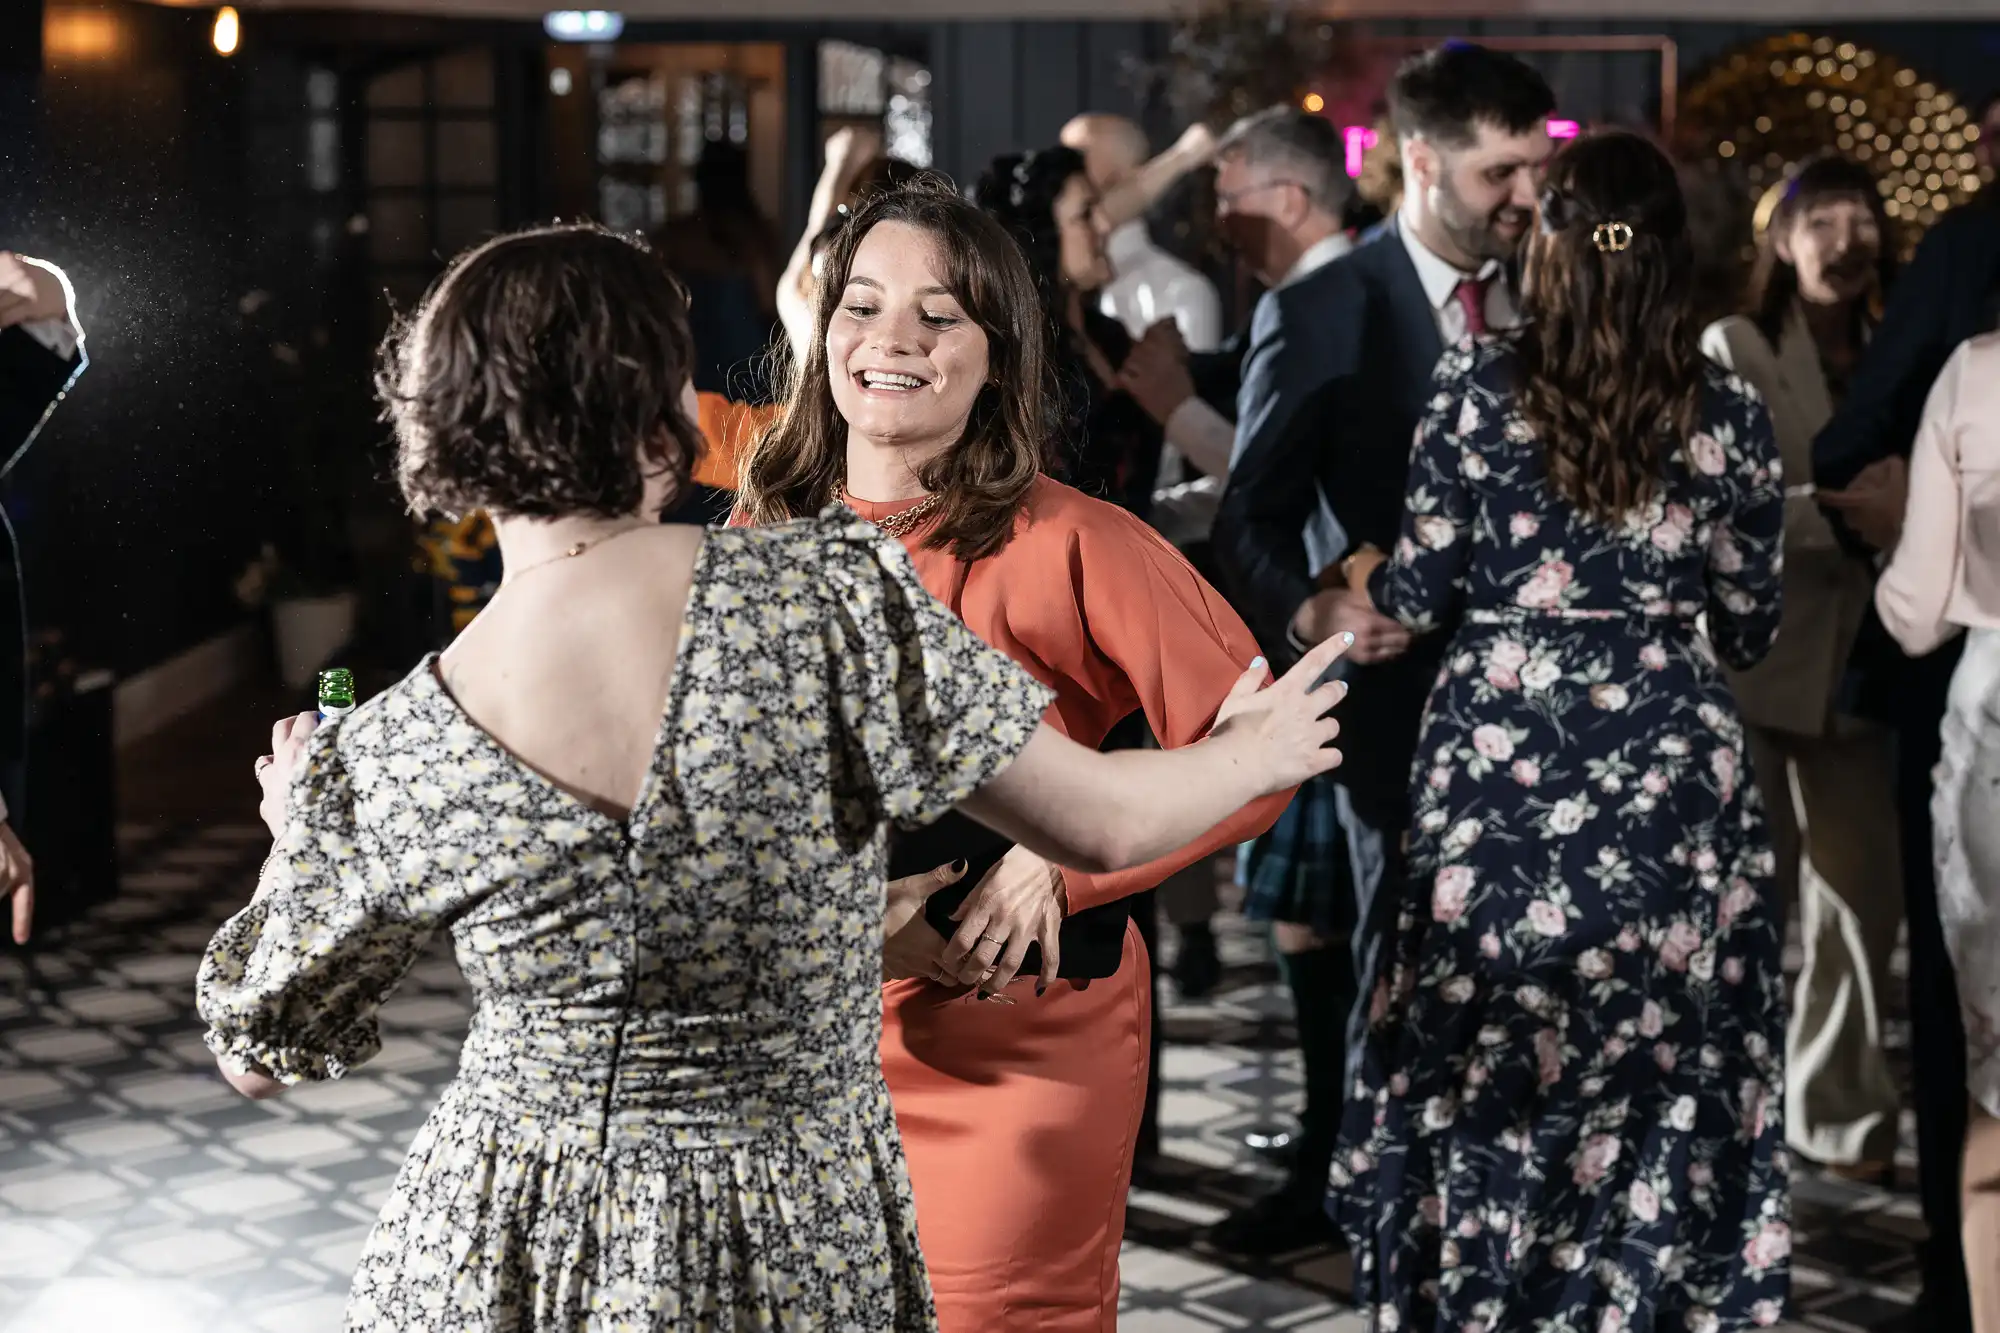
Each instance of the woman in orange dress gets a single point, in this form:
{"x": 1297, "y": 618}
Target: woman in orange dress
{"x": 922, "y": 404}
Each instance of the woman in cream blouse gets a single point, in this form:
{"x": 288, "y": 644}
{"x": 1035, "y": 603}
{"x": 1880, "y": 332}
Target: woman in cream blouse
{"x": 1825, "y": 774}
{"x": 1945, "y": 576}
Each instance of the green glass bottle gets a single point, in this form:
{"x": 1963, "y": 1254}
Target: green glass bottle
{"x": 336, "y": 693}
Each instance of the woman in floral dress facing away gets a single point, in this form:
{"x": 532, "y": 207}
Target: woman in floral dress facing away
{"x": 1569, "y": 1110}
{"x": 647, "y": 792}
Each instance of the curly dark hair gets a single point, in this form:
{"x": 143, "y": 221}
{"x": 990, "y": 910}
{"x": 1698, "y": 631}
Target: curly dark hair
{"x": 799, "y": 465}
{"x": 541, "y": 376}
{"x": 1019, "y": 190}
{"x": 1446, "y": 92}
{"x": 1610, "y": 359}
{"x": 1774, "y": 283}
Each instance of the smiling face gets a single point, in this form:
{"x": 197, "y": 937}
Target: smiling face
{"x": 904, "y": 362}
{"x": 1479, "y": 199}
{"x": 1833, "y": 244}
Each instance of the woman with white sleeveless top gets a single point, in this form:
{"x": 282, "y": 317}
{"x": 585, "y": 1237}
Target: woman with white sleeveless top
{"x": 1945, "y": 576}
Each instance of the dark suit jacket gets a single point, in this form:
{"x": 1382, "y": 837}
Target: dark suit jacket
{"x": 1336, "y": 378}
{"x": 1950, "y": 292}
{"x": 32, "y": 380}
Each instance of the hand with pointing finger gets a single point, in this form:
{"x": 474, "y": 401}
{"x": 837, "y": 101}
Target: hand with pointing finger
{"x": 1284, "y": 729}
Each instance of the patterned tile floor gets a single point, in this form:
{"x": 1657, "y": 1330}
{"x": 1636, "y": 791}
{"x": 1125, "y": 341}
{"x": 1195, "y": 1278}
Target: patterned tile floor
{"x": 138, "y": 1192}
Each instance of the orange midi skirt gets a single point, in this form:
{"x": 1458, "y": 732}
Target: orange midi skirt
{"x": 1019, "y": 1122}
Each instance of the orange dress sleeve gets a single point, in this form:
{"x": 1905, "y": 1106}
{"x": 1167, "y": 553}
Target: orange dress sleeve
{"x": 1181, "y": 647}
{"x": 728, "y": 429}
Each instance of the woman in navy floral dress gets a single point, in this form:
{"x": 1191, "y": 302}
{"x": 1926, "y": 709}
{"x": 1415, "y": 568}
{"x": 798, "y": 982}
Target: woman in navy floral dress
{"x": 1569, "y": 1111}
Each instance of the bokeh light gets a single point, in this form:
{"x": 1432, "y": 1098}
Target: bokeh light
{"x": 1770, "y": 105}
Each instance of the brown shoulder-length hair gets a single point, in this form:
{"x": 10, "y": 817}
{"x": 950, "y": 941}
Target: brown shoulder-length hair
{"x": 541, "y": 377}
{"x": 1774, "y": 282}
{"x": 1610, "y": 358}
{"x": 800, "y": 464}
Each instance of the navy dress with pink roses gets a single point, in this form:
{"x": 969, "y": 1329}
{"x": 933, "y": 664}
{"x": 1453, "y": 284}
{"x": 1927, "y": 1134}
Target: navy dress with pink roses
{"x": 1569, "y": 1109}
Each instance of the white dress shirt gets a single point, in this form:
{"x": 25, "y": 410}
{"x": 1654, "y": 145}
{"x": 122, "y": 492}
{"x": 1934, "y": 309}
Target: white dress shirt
{"x": 1149, "y": 285}
{"x": 1440, "y": 280}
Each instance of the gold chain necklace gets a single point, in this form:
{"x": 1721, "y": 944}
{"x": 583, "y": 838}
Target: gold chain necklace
{"x": 573, "y": 550}
{"x": 903, "y": 524}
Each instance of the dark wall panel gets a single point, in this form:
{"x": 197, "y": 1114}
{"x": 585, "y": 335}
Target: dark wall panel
{"x": 142, "y": 500}
{"x": 1008, "y": 86}
{"x": 1051, "y": 75}
{"x": 984, "y": 62}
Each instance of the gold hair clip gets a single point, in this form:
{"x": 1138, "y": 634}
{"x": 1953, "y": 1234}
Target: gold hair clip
{"x": 1612, "y": 238}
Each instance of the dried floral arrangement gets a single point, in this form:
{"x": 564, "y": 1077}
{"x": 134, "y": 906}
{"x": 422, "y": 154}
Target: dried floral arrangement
{"x": 1228, "y": 58}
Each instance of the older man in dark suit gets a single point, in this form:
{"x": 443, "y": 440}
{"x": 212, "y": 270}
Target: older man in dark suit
{"x": 41, "y": 354}
{"x": 1337, "y": 375}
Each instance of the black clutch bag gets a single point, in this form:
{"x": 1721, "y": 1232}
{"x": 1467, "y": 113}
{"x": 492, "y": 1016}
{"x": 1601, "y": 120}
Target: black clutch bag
{"x": 1093, "y": 940}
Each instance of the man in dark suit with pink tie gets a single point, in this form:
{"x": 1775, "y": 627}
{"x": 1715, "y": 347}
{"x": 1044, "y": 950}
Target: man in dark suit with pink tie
{"x": 1338, "y": 372}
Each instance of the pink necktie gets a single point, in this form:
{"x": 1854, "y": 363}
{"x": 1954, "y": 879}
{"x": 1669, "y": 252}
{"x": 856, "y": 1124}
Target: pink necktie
{"x": 1471, "y": 297}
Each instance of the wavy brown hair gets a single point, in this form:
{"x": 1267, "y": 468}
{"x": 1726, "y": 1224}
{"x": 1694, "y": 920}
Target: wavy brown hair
{"x": 541, "y": 377}
{"x": 800, "y": 464}
{"x": 1610, "y": 359}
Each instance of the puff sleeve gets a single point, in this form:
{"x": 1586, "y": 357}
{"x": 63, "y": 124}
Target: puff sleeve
{"x": 926, "y": 711}
{"x": 290, "y": 985}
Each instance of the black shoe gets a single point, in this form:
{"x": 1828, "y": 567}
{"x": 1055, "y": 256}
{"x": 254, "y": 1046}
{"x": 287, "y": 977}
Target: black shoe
{"x": 1290, "y": 1219}
{"x": 1197, "y": 967}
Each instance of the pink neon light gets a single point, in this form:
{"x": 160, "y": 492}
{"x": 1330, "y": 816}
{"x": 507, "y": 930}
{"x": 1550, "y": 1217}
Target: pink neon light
{"x": 1359, "y": 140}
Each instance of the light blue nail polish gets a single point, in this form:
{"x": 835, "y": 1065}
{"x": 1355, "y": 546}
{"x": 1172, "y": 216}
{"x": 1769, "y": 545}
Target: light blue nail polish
{"x": 1256, "y": 662}
{"x": 1347, "y": 637}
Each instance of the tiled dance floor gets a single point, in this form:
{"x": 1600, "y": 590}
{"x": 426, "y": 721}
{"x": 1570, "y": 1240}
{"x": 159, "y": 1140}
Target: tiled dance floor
{"x": 137, "y": 1192}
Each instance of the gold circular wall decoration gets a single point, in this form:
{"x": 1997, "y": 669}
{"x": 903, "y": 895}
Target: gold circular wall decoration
{"x": 1762, "y": 109}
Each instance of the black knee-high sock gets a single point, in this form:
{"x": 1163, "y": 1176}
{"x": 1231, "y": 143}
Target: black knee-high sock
{"x": 1323, "y": 992}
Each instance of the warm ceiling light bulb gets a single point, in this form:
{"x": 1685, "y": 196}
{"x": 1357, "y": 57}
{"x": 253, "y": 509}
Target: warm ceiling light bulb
{"x": 228, "y": 31}
{"x": 1314, "y": 103}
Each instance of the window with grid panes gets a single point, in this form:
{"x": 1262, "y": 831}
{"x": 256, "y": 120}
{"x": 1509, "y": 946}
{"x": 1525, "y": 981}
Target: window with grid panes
{"x": 431, "y": 167}
{"x": 859, "y": 85}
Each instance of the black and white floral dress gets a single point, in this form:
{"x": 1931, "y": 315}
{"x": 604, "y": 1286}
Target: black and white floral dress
{"x": 1569, "y": 1111}
{"x": 669, "y": 1111}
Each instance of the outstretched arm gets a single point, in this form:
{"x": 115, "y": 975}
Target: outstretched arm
{"x": 847, "y": 152}
{"x": 1131, "y": 197}
{"x": 1103, "y": 812}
